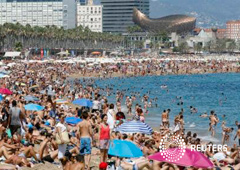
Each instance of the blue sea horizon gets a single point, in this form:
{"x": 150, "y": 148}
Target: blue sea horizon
{"x": 219, "y": 92}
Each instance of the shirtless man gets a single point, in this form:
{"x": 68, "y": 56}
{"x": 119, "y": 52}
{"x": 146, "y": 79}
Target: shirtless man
{"x": 164, "y": 118}
{"x": 85, "y": 134}
{"x": 79, "y": 165}
{"x": 148, "y": 149}
{"x": 44, "y": 153}
{"x": 238, "y": 135}
{"x": 213, "y": 121}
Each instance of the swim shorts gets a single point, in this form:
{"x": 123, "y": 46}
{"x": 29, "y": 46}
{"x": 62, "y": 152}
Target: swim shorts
{"x": 48, "y": 158}
{"x": 85, "y": 146}
{"x": 104, "y": 144}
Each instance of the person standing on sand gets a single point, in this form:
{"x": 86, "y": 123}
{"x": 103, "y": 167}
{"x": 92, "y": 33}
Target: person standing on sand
{"x": 15, "y": 120}
{"x": 104, "y": 137}
{"x": 85, "y": 134}
{"x": 164, "y": 118}
{"x": 60, "y": 128}
{"x": 111, "y": 116}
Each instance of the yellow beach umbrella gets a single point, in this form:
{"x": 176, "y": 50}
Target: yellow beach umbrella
{"x": 34, "y": 86}
{"x": 20, "y": 84}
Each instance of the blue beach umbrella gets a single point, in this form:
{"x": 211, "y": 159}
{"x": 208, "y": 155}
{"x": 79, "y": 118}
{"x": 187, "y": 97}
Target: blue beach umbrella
{"x": 72, "y": 120}
{"x": 83, "y": 102}
{"x": 31, "y": 98}
{"x": 3, "y": 75}
{"x": 1, "y": 98}
{"x": 33, "y": 107}
{"x": 50, "y": 93}
{"x": 124, "y": 149}
{"x": 134, "y": 127}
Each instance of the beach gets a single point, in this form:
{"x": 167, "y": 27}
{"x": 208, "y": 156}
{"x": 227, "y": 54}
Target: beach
{"x": 183, "y": 95}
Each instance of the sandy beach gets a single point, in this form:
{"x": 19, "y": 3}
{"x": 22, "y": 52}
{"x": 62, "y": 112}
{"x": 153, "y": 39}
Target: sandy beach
{"x": 43, "y": 99}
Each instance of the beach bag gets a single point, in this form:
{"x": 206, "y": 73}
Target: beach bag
{"x": 65, "y": 138}
{"x": 8, "y": 131}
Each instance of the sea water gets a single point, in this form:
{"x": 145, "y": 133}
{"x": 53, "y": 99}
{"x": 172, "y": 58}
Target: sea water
{"x": 206, "y": 92}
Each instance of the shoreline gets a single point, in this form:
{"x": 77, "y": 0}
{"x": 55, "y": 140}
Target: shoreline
{"x": 119, "y": 75}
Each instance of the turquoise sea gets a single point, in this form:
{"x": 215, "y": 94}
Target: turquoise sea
{"x": 218, "y": 92}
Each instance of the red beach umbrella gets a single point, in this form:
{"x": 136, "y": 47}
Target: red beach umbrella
{"x": 5, "y": 91}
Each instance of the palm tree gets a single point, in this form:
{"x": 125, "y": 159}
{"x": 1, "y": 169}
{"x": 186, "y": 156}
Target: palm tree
{"x": 54, "y": 37}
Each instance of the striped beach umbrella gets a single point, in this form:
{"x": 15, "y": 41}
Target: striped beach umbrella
{"x": 134, "y": 127}
{"x": 61, "y": 101}
{"x": 31, "y": 98}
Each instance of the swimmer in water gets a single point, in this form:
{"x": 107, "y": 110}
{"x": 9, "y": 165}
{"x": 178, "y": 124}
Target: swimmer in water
{"x": 193, "y": 109}
{"x": 204, "y": 115}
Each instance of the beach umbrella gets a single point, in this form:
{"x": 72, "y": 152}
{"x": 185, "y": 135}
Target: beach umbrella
{"x": 31, "y": 98}
{"x": 72, "y": 120}
{"x": 51, "y": 68}
{"x": 3, "y": 75}
{"x": 5, "y": 91}
{"x": 96, "y": 53}
{"x": 1, "y": 98}
{"x": 189, "y": 158}
{"x": 20, "y": 84}
{"x": 34, "y": 86}
{"x": 50, "y": 93}
{"x": 124, "y": 149}
{"x": 61, "y": 101}
{"x": 134, "y": 127}
{"x": 33, "y": 107}
{"x": 83, "y": 102}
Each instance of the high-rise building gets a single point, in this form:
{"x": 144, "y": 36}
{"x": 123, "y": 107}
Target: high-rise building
{"x": 61, "y": 13}
{"x": 118, "y": 14}
{"x": 233, "y": 30}
{"x": 83, "y": 2}
{"x": 90, "y": 16}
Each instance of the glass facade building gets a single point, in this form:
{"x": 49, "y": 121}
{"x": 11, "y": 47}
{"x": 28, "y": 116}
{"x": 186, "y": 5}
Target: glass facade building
{"x": 83, "y": 2}
{"x": 61, "y": 13}
{"x": 118, "y": 14}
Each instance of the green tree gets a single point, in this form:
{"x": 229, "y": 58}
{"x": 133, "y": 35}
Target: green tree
{"x": 220, "y": 45}
{"x": 18, "y": 46}
{"x": 231, "y": 46}
{"x": 183, "y": 47}
{"x": 209, "y": 46}
{"x": 135, "y": 28}
{"x": 175, "y": 49}
{"x": 198, "y": 47}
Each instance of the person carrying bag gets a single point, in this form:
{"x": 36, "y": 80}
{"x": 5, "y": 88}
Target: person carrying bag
{"x": 62, "y": 138}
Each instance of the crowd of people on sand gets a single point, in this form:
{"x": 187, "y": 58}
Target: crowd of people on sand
{"x": 130, "y": 66}
{"x": 35, "y": 137}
